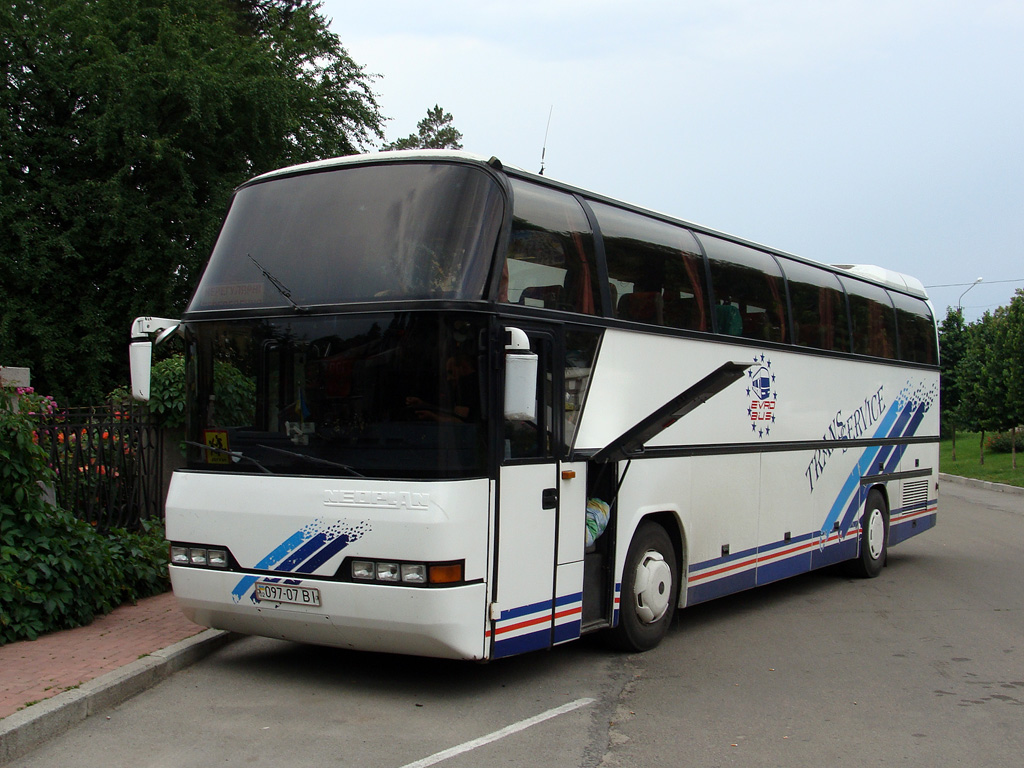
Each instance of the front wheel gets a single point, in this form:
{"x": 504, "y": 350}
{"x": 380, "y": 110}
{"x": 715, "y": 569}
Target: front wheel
{"x": 874, "y": 537}
{"x": 649, "y": 588}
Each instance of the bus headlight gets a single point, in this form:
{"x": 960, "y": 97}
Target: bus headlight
{"x": 387, "y": 572}
{"x": 200, "y": 556}
{"x": 407, "y": 574}
{"x": 217, "y": 558}
{"x": 364, "y": 570}
{"x": 414, "y": 573}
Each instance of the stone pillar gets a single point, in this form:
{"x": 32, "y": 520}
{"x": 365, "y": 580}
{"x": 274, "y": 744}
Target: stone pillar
{"x": 14, "y": 377}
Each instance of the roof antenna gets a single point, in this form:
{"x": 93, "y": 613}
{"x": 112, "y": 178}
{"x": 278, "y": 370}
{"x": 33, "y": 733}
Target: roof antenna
{"x": 544, "y": 149}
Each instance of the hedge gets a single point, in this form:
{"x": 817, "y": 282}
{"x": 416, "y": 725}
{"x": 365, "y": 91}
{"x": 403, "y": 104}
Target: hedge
{"x": 58, "y": 572}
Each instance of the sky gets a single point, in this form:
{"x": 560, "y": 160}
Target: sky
{"x": 886, "y": 132}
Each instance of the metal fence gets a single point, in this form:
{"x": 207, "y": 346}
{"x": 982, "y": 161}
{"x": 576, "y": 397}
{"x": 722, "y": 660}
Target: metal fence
{"x": 108, "y": 464}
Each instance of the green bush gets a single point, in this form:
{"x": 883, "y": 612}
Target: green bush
{"x": 58, "y": 572}
{"x": 1002, "y": 442}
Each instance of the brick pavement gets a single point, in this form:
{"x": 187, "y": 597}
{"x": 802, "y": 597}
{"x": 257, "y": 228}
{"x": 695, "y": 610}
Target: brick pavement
{"x": 34, "y": 670}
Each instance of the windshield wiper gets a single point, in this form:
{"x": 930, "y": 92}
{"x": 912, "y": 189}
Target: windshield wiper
{"x": 236, "y": 455}
{"x": 281, "y": 287}
{"x": 312, "y": 459}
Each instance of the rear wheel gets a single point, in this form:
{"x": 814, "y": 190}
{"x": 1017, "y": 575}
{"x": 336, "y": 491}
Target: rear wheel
{"x": 874, "y": 537}
{"x": 649, "y": 589}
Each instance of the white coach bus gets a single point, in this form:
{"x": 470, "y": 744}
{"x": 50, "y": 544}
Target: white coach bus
{"x": 443, "y": 407}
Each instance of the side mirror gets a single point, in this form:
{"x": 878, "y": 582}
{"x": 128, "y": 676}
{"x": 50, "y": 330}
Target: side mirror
{"x": 140, "y": 353}
{"x": 520, "y": 377}
{"x": 140, "y": 358}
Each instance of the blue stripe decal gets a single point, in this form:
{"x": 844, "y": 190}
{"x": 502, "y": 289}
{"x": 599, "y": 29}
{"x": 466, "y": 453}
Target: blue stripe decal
{"x": 243, "y": 586}
{"x": 720, "y": 587}
{"x": 567, "y": 599}
{"x": 526, "y": 610}
{"x": 268, "y": 562}
{"x": 846, "y": 549}
{"x": 566, "y": 632}
{"x": 281, "y": 551}
{"x": 852, "y": 485}
{"x": 901, "y": 530}
{"x": 782, "y": 569}
{"x": 910, "y": 415}
{"x": 303, "y": 552}
{"x": 914, "y": 417}
{"x": 534, "y": 641}
{"x": 549, "y": 628}
{"x": 325, "y": 554}
{"x": 897, "y": 430}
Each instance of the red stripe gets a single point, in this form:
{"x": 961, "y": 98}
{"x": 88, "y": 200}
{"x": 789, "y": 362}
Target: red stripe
{"x": 725, "y": 569}
{"x": 531, "y": 623}
{"x": 919, "y": 513}
{"x": 546, "y": 618}
{"x": 762, "y": 558}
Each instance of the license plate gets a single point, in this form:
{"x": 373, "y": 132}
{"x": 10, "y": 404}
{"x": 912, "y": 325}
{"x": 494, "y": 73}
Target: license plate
{"x": 286, "y": 593}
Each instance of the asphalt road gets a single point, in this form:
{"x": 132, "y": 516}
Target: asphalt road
{"x": 923, "y": 666}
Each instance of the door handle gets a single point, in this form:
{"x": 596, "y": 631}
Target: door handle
{"x": 549, "y": 498}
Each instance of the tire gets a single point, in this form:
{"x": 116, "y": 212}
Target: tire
{"x": 650, "y": 583}
{"x": 874, "y": 538}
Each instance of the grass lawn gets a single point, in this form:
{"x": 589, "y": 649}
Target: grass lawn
{"x": 997, "y": 467}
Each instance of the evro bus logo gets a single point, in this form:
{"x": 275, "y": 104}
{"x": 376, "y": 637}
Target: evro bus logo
{"x": 762, "y": 396}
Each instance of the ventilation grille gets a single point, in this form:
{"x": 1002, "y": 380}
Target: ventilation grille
{"x": 915, "y": 493}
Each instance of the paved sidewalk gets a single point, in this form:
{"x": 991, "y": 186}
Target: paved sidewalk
{"x": 33, "y": 670}
{"x": 48, "y": 684}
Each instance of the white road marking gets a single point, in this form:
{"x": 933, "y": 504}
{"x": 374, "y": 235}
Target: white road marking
{"x": 508, "y": 730}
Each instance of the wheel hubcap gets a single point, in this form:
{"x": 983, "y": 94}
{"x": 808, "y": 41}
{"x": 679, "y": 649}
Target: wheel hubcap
{"x": 652, "y": 587}
{"x": 876, "y": 533}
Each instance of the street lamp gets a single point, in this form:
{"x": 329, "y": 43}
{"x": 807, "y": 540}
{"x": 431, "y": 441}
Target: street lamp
{"x": 959, "y": 302}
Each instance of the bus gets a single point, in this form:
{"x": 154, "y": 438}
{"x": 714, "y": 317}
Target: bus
{"x": 436, "y": 405}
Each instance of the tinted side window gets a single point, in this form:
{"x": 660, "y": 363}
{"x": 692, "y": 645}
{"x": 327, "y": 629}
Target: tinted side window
{"x": 550, "y": 260}
{"x": 655, "y": 270}
{"x": 580, "y": 352}
{"x": 749, "y": 292}
{"x": 916, "y": 329}
{"x": 818, "y": 306}
{"x": 873, "y": 319}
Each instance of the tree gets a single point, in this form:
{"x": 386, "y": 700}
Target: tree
{"x": 124, "y": 126}
{"x": 952, "y": 346}
{"x": 435, "y": 131}
{"x": 982, "y": 377}
{"x": 1013, "y": 362}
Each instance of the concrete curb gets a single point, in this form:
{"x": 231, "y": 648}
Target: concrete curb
{"x": 28, "y": 728}
{"x": 988, "y": 486}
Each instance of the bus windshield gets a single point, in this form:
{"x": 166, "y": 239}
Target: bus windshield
{"x": 392, "y": 231}
{"x": 375, "y": 395}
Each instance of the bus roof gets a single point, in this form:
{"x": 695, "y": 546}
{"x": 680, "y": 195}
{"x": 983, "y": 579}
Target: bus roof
{"x": 388, "y": 156}
{"x": 871, "y": 273}
{"x": 886, "y": 277}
